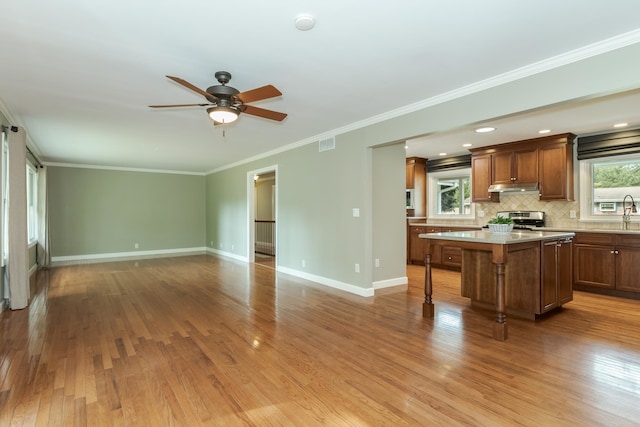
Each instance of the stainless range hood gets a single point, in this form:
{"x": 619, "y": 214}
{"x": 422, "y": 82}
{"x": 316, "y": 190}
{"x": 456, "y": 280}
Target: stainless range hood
{"x": 512, "y": 188}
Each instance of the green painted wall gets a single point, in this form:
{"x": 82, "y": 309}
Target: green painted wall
{"x": 97, "y": 211}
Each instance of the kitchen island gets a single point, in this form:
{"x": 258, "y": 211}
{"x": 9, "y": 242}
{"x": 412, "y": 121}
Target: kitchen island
{"x": 525, "y": 272}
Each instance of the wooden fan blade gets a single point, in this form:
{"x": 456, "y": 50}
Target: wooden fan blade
{"x": 178, "y": 105}
{"x": 264, "y": 92}
{"x": 190, "y": 86}
{"x": 261, "y": 112}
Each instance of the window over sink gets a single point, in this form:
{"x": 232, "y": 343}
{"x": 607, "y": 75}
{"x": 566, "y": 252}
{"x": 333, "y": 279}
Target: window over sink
{"x": 449, "y": 194}
{"x": 604, "y": 183}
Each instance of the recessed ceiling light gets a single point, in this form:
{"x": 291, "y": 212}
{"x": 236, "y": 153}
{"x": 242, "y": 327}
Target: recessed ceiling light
{"x": 485, "y": 129}
{"x": 544, "y": 131}
{"x": 442, "y": 154}
{"x": 620, "y": 125}
{"x": 466, "y": 145}
{"x": 305, "y": 22}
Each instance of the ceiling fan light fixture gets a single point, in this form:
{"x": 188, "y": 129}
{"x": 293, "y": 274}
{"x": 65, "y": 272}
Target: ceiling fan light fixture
{"x": 222, "y": 114}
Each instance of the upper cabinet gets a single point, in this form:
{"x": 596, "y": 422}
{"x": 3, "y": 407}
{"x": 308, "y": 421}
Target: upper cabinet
{"x": 481, "y": 172}
{"x": 515, "y": 167}
{"x": 547, "y": 161}
{"x": 417, "y": 181}
{"x": 555, "y": 165}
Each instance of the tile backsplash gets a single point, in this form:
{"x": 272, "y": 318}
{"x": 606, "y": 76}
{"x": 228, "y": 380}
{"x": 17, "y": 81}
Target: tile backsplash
{"x": 556, "y": 211}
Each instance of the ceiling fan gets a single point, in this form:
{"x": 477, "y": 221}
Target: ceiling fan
{"x": 226, "y": 102}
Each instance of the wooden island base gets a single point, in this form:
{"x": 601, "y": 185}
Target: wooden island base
{"x": 528, "y": 263}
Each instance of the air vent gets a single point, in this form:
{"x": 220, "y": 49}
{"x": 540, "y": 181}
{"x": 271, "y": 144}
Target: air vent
{"x": 326, "y": 144}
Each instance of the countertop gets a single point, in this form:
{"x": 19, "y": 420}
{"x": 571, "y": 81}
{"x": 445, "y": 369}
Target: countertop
{"x": 486, "y": 236}
{"x": 545, "y": 229}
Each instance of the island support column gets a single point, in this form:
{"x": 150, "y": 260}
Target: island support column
{"x": 427, "y": 306}
{"x": 499, "y": 259}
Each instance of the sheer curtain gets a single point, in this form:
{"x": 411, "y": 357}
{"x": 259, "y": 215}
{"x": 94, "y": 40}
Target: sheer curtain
{"x": 44, "y": 256}
{"x": 18, "y": 256}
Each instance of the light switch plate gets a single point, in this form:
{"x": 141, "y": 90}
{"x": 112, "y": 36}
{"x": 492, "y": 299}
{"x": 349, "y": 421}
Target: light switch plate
{"x": 356, "y": 212}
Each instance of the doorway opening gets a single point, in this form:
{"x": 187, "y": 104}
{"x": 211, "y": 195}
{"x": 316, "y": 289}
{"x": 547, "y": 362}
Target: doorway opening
{"x": 262, "y": 217}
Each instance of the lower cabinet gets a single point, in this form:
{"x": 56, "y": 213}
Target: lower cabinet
{"x": 607, "y": 263}
{"x": 556, "y": 275}
{"x": 415, "y": 250}
{"x": 446, "y": 256}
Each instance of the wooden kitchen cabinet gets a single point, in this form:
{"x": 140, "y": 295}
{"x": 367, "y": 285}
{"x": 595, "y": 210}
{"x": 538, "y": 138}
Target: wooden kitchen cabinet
{"x": 449, "y": 257}
{"x": 628, "y": 263}
{"x": 547, "y": 161}
{"x": 555, "y": 170}
{"x": 481, "y": 179}
{"x": 557, "y": 275}
{"x": 607, "y": 263}
{"x": 515, "y": 167}
{"x": 416, "y": 244}
{"x": 416, "y": 180}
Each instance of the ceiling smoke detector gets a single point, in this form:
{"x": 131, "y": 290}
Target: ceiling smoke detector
{"x": 305, "y": 22}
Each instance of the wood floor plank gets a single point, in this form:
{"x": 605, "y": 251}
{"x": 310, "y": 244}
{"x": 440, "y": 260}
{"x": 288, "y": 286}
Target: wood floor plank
{"x": 202, "y": 340}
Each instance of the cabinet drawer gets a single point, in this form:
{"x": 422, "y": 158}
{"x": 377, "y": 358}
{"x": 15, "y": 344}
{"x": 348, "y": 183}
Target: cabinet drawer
{"x": 628, "y": 240}
{"x": 431, "y": 229}
{"x": 604, "y": 239}
{"x": 451, "y": 256}
{"x": 417, "y": 229}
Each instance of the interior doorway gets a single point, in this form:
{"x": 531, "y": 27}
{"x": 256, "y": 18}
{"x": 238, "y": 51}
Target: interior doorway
{"x": 263, "y": 217}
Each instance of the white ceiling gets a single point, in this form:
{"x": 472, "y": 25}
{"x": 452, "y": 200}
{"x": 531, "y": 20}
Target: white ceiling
{"x": 79, "y": 76}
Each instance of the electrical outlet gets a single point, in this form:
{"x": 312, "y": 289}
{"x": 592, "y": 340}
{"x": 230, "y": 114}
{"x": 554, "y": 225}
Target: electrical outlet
{"x": 135, "y": 245}
{"x": 377, "y": 262}
{"x": 232, "y": 247}
{"x": 357, "y": 268}
{"x": 356, "y": 212}
{"x": 211, "y": 245}
{"x": 480, "y": 214}
{"x": 572, "y": 214}
{"x": 220, "y": 245}
{"x": 304, "y": 263}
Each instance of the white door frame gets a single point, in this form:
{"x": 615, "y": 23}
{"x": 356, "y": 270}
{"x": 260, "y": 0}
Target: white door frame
{"x": 251, "y": 211}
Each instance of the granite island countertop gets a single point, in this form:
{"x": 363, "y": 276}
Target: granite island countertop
{"x": 486, "y": 236}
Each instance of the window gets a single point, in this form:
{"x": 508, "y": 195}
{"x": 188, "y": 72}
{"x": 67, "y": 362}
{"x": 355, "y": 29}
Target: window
{"x": 32, "y": 199}
{"x": 449, "y": 194}
{"x": 604, "y": 184}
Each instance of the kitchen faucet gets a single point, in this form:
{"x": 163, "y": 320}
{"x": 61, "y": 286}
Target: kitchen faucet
{"x": 627, "y": 211}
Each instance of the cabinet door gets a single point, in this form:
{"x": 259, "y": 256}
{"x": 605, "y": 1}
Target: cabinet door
{"x": 416, "y": 244}
{"x": 481, "y": 179}
{"x": 502, "y": 168}
{"x": 556, "y": 181}
{"x": 565, "y": 272}
{"x": 628, "y": 269}
{"x": 594, "y": 266}
{"x": 525, "y": 166}
{"x": 410, "y": 172}
{"x": 549, "y": 286}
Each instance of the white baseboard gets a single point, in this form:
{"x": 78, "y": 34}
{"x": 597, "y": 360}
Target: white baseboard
{"x": 227, "y": 254}
{"x": 124, "y": 256}
{"x": 399, "y": 282}
{"x": 347, "y": 287}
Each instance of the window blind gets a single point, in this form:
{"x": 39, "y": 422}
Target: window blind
{"x": 449, "y": 163}
{"x": 609, "y": 144}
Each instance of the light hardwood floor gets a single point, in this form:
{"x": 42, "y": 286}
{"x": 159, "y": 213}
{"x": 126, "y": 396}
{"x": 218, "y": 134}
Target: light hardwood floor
{"x": 204, "y": 341}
